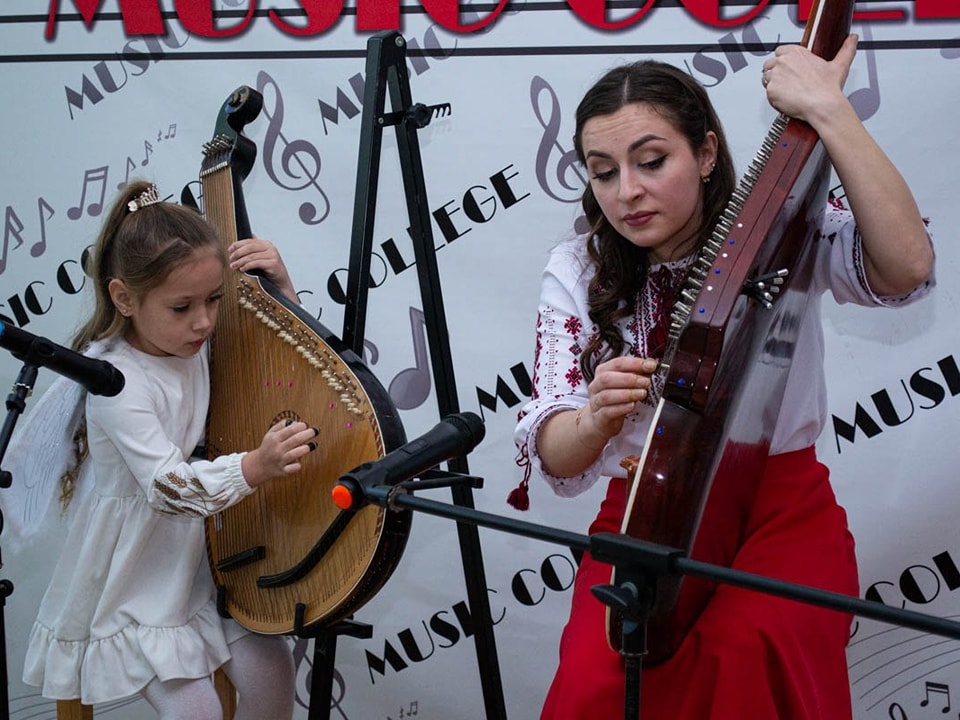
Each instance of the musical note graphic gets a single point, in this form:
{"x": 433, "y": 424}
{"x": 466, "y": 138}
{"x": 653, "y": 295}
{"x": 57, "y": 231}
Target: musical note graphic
{"x": 93, "y": 176}
{"x": 299, "y": 159}
{"x": 171, "y": 132}
{"x": 950, "y": 53}
{"x": 567, "y": 162}
{"x": 371, "y": 353}
{"x": 866, "y": 101}
{"x": 896, "y": 712}
{"x": 39, "y": 247}
{"x": 147, "y": 149}
{"x": 12, "y": 227}
{"x": 411, "y": 387}
{"x": 131, "y": 165}
{"x": 937, "y": 688}
{"x": 411, "y": 711}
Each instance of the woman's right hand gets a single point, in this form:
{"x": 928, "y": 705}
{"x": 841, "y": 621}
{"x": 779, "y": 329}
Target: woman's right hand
{"x": 570, "y": 442}
{"x": 617, "y": 386}
{"x": 279, "y": 453}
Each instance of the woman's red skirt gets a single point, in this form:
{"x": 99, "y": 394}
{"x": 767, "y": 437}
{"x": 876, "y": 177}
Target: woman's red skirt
{"x": 749, "y": 656}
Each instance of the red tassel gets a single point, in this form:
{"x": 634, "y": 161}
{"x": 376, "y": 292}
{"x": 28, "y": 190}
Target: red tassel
{"x": 519, "y": 497}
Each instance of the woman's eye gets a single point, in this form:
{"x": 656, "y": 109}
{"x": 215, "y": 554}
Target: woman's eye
{"x": 655, "y": 163}
{"x": 604, "y": 175}
{"x": 180, "y": 308}
{"x": 215, "y": 298}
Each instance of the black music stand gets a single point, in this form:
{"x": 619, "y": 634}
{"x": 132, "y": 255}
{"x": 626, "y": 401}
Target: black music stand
{"x": 386, "y": 69}
{"x": 16, "y": 403}
{"x": 640, "y": 565}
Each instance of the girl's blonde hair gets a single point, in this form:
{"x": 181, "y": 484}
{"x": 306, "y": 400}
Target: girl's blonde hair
{"x": 141, "y": 247}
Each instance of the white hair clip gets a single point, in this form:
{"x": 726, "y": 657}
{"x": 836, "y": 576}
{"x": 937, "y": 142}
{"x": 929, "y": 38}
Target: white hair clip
{"x": 149, "y": 196}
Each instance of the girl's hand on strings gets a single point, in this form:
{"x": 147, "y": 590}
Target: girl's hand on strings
{"x": 280, "y": 452}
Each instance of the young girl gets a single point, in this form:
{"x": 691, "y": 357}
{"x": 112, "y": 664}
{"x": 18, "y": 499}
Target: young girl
{"x": 130, "y": 608}
{"x": 660, "y": 175}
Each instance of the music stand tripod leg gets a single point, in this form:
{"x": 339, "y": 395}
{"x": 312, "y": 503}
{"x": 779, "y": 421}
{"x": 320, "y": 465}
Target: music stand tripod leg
{"x": 639, "y": 566}
{"x": 633, "y": 600}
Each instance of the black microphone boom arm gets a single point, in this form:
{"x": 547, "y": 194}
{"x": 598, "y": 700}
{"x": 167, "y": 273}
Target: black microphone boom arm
{"x": 98, "y": 376}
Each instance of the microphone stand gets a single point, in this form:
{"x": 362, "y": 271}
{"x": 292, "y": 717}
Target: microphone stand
{"x": 16, "y": 402}
{"x": 639, "y": 567}
{"x": 387, "y": 75}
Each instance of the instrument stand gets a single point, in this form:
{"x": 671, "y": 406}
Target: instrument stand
{"x": 386, "y": 69}
{"x": 16, "y": 402}
{"x": 324, "y": 658}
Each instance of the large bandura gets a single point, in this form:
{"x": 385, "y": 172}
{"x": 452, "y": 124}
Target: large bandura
{"x": 726, "y": 362}
{"x": 286, "y": 558}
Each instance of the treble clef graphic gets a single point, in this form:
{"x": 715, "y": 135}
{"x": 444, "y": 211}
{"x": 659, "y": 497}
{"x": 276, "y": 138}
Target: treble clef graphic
{"x": 299, "y": 160}
{"x": 338, "y": 686}
{"x": 567, "y": 162}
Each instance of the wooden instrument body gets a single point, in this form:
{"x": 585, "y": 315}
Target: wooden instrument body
{"x": 285, "y": 557}
{"x": 704, "y": 456}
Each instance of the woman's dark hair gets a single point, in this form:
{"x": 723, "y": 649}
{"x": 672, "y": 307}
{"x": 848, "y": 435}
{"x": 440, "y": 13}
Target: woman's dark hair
{"x": 621, "y": 265}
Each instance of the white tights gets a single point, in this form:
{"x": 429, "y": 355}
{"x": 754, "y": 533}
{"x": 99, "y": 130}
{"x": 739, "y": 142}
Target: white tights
{"x": 260, "y": 668}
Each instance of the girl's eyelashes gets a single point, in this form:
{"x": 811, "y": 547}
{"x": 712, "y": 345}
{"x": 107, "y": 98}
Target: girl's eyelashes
{"x": 210, "y": 300}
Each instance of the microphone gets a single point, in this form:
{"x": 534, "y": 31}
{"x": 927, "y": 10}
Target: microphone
{"x": 98, "y": 376}
{"x": 454, "y": 436}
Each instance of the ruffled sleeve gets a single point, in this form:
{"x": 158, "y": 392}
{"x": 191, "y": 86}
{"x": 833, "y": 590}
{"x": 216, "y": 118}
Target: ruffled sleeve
{"x": 134, "y": 425}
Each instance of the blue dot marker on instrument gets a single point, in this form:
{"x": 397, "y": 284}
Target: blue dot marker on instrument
{"x": 659, "y": 431}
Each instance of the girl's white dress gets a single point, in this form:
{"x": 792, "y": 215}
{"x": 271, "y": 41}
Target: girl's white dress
{"x": 132, "y": 597}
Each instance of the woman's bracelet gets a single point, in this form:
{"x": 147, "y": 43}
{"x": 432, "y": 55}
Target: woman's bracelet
{"x": 580, "y": 439}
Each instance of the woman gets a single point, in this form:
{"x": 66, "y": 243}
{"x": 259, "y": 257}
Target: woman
{"x": 660, "y": 175}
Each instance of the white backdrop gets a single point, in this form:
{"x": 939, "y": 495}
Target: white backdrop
{"x": 91, "y": 106}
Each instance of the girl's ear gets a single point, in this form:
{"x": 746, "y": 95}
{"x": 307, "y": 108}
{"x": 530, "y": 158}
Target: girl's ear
{"x": 121, "y": 296}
